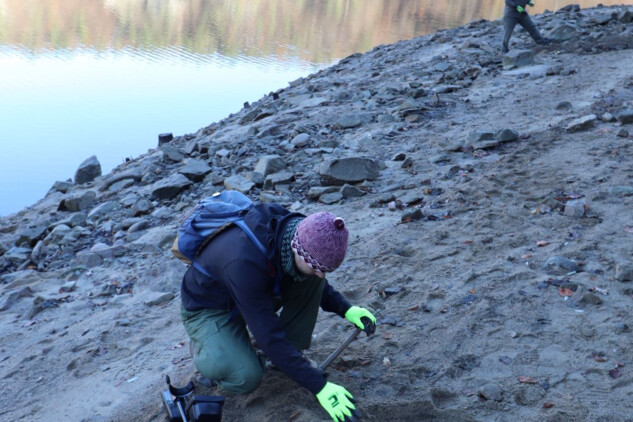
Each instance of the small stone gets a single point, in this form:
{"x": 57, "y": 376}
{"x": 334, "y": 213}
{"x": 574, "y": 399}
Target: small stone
{"x": 528, "y": 395}
{"x": 390, "y": 291}
{"x": 301, "y": 140}
{"x": 558, "y": 264}
{"x": 564, "y": 106}
{"x": 331, "y": 198}
{"x": 349, "y": 191}
{"x": 506, "y": 135}
{"x": 491, "y": 392}
{"x": 412, "y": 215}
{"x": 591, "y": 299}
{"x": 624, "y": 272}
{"x": 68, "y": 287}
{"x": 159, "y": 299}
{"x": 582, "y": 123}
{"x": 575, "y": 208}
{"x": 608, "y": 117}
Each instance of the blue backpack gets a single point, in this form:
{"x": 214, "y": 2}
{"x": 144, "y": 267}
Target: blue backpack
{"x": 209, "y": 218}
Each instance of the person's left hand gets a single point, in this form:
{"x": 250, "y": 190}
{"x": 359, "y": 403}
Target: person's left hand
{"x": 356, "y": 313}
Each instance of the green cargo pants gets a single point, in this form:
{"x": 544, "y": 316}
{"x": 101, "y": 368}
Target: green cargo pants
{"x": 224, "y": 350}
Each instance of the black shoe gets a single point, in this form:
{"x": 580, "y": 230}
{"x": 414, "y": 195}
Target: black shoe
{"x": 207, "y": 382}
{"x": 546, "y": 41}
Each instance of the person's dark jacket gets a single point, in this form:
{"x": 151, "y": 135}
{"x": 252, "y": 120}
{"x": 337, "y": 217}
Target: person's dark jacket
{"x": 241, "y": 278}
{"x": 514, "y": 3}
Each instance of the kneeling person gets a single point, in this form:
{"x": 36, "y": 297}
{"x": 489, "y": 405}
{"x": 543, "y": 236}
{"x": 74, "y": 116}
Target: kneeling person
{"x": 247, "y": 289}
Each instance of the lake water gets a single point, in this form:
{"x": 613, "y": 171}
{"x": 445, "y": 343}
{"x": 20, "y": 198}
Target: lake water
{"x": 105, "y": 77}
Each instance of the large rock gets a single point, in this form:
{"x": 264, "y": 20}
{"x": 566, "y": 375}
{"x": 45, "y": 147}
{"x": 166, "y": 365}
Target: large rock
{"x": 88, "y": 171}
{"x": 171, "y": 153}
{"x": 102, "y": 211}
{"x": 349, "y": 170}
{"x": 170, "y": 187}
{"x": 61, "y": 234}
{"x": 349, "y": 121}
{"x": 625, "y": 16}
{"x": 239, "y": 183}
{"x": 195, "y": 170}
{"x": 32, "y": 232}
{"x": 625, "y": 116}
{"x": 269, "y": 164}
{"x": 135, "y": 174}
{"x": 518, "y": 58}
{"x": 78, "y": 202}
{"x": 17, "y": 255}
{"x": 157, "y": 237}
{"x": 564, "y": 32}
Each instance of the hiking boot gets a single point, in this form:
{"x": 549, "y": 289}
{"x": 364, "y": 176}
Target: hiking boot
{"x": 505, "y": 49}
{"x": 546, "y": 41}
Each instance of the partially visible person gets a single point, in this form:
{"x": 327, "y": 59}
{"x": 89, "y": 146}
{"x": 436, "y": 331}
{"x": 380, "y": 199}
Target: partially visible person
{"x": 515, "y": 13}
{"x": 276, "y": 296}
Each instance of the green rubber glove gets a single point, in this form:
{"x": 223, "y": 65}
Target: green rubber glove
{"x": 531, "y": 4}
{"x": 520, "y": 9}
{"x": 355, "y": 314}
{"x": 337, "y": 401}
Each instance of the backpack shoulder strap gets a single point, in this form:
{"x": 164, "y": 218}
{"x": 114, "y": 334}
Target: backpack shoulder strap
{"x": 242, "y": 225}
{"x": 271, "y": 267}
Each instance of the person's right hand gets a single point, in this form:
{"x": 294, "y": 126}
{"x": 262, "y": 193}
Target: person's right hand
{"x": 337, "y": 402}
{"x": 520, "y": 9}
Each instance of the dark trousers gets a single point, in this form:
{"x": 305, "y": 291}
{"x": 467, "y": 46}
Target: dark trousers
{"x": 512, "y": 17}
{"x": 224, "y": 352}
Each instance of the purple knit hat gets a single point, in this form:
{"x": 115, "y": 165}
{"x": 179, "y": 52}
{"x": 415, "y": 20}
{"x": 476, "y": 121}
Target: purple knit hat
{"x": 321, "y": 240}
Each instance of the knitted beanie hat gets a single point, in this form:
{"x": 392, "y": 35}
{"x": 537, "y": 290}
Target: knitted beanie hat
{"x": 321, "y": 240}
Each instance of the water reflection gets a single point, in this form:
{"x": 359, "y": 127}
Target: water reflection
{"x": 317, "y": 31}
{"x": 104, "y": 77}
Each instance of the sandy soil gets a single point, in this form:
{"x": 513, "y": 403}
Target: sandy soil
{"x": 504, "y": 302}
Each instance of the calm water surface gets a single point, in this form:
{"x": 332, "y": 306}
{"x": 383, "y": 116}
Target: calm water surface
{"x": 105, "y": 77}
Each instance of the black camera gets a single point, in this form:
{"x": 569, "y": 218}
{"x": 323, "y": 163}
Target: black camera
{"x": 183, "y": 406}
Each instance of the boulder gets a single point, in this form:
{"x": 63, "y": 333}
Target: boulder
{"x": 195, "y": 170}
{"x": 518, "y": 58}
{"x": 349, "y": 170}
{"x": 170, "y": 187}
{"x": 269, "y": 164}
{"x": 89, "y": 170}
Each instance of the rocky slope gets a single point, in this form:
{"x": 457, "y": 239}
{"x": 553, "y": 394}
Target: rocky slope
{"x": 488, "y": 200}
